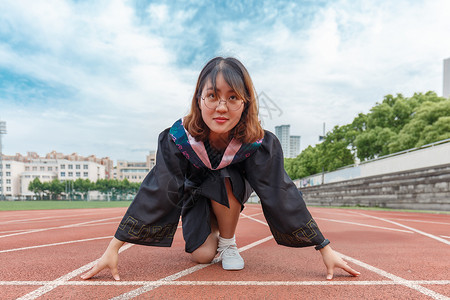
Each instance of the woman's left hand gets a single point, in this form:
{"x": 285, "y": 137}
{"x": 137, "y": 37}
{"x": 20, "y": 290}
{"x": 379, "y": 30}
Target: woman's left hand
{"x": 332, "y": 260}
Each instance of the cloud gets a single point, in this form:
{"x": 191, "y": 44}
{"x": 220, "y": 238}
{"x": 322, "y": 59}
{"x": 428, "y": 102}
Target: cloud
{"x": 105, "y": 77}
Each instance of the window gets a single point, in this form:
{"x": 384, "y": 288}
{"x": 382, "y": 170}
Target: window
{"x": 70, "y": 174}
{"x": 50, "y": 168}
{"x": 85, "y": 167}
{"x": 78, "y": 167}
{"x": 78, "y": 174}
{"x": 8, "y": 181}
{"x": 8, "y": 166}
{"x": 27, "y": 168}
{"x": 70, "y": 167}
{"x": 8, "y": 189}
{"x": 42, "y": 168}
{"x": 8, "y": 173}
{"x": 26, "y": 176}
{"x": 63, "y": 167}
{"x": 34, "y": 168}
{"x": 63, "y": 174}
{"x": 85, "y": 174}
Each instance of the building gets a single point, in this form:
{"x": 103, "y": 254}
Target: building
{"x": 282, "y": 133}
{"x": 294, "y": 147}
{"x": 446, "y": 85}
{"x": 290, "y": 144}
{"x": 135, "y": 171}
{"x": 20, "y": 170}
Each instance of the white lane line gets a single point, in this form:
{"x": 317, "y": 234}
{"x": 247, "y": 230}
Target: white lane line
{"x": 445, "y": 237}
{"x": 410, "y": 228}
{"x": 55, "y": 244}
{"x": 421, "y": 221}
{"x": 56, "y": 218}
{"x": 233, "y": 283}
{"x": 364, "y": 225}
{"x": 395, "y": 278}
{"x": 148, "y": 287}
{"x": 86, "y": 225}
{"x": 63, "y": 280}
{"x": 58, "y": 227}
{"x": 251, "y": 218}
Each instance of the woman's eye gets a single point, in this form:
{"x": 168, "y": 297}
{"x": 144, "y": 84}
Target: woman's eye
{"x": 232, "y": 98}
{"x": 211, "y": 96}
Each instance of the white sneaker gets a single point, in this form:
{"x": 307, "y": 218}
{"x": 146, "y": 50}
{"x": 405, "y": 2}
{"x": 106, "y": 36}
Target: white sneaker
{"x": 231, "y": 259}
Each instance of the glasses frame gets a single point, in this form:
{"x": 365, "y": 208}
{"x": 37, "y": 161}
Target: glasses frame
{"x": 220, "y": 101}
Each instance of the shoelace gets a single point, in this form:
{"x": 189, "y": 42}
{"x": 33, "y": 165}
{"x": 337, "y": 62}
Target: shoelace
{"x": 232, "y": 251}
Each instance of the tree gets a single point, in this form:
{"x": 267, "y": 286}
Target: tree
{"x": 36, "y": 187}
{"x": 396, "y": 124}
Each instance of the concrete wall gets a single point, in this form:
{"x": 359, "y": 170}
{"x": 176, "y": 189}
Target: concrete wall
{"x": 423, "y": 157}
{"x": 426, "y": 188}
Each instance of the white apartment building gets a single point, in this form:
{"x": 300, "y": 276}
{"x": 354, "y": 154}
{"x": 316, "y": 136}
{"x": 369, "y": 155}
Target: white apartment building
{"x": 135, "y": 171}
{"x": 18, "y": 174}
{"x": 11, "y": 171}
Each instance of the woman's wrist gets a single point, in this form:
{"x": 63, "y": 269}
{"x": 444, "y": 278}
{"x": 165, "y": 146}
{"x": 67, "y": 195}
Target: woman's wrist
{"x": 323, "y": 244}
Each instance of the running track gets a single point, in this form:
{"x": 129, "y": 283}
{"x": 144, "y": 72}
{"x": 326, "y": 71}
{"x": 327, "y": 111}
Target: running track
{"x": 400, "y": 256}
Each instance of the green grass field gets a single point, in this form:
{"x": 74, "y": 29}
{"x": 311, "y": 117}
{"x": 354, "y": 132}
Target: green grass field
{"x": 33, "y": 205}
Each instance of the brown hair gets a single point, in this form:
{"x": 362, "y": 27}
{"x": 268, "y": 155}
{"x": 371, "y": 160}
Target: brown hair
{"x": 248, "y": 129}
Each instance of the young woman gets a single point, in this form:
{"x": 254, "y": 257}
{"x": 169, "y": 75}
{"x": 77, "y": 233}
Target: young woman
{"x": 207, "y": 165}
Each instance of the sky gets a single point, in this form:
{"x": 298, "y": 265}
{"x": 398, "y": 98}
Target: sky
{"x": 106, "y": 77}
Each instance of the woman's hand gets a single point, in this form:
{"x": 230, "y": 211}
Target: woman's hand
{"x": 109, "y": 260}
{"x": 332, "y": 260}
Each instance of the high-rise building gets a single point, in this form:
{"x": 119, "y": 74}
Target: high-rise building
{"x": 294, "y": 149}
{"x": 290, "y": 144}
{"x": 446, "y": 86}
{"x": 282, "y": 133}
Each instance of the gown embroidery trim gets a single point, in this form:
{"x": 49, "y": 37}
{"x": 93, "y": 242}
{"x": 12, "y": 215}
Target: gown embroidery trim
{"x": 195, "y": 151}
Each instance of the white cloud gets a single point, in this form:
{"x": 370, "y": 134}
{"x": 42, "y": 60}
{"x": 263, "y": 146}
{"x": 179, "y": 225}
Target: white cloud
{"x": 123, "y": 84}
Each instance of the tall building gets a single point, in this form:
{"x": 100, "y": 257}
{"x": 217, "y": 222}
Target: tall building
{"x": 282, "y": 133}
{"x": 294, "y": 149}
{"x": 290, "y": 144}
{"x": 446, "y": 86}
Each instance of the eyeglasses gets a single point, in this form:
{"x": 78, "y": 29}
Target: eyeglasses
{"x": 212, "y": 102}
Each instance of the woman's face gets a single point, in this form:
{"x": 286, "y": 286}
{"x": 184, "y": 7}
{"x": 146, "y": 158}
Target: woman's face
{"x": 220, "y": 120}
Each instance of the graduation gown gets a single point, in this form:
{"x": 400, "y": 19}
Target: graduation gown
{"x": 183, "y": 182}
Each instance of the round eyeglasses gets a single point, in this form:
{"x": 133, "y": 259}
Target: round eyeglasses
{"x": 212, "y": 102}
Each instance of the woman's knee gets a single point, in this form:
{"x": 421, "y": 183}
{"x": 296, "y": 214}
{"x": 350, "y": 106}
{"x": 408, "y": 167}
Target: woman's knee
{"x": 206, "y": 252}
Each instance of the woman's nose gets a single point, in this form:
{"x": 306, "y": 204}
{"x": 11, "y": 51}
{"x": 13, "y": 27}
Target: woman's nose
{"x": 222, "y": 106}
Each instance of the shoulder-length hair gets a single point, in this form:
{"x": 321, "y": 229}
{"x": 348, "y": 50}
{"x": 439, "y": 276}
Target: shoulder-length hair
{"x": 248, "y": 129}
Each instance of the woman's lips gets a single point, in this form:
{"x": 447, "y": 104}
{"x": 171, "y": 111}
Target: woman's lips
{"x": 220, "y": 120}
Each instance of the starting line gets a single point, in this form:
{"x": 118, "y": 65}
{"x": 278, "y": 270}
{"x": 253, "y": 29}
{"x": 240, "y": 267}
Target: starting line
{"x": 230, "y": 283}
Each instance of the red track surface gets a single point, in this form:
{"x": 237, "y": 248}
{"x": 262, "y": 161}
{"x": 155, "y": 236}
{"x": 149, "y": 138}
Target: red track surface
{"x": 400, "y": 256}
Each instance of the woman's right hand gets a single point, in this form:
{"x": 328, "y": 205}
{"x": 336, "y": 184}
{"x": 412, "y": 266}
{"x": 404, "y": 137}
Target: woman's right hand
{"x": 109, "y": 260}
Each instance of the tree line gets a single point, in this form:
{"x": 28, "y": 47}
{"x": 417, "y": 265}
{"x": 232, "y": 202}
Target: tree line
{"x": 397, "y": 123}
{"x": 113, "y": 189}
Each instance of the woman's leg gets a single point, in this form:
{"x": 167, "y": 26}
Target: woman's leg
{"x": 208, "y": 250}
{"x": 224, "y": 221}
{"x": 227, "y": 218}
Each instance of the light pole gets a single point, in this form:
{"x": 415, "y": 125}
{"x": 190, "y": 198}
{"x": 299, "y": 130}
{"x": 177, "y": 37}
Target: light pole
{"x": 2, "y": 131}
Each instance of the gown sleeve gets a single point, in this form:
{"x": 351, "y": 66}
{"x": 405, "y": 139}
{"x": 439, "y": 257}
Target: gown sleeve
{"x": 153, "y": 216}
{"x": 285, "y": 210}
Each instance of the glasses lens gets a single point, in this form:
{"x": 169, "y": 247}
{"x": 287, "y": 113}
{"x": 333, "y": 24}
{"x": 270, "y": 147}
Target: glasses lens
{"x": 213, "y": 103}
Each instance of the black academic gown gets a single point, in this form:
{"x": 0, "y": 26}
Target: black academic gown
{"x": 179, "y": 186}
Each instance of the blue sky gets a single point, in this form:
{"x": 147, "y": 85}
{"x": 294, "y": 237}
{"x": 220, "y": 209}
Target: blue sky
{"x": 105, "y": 77}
